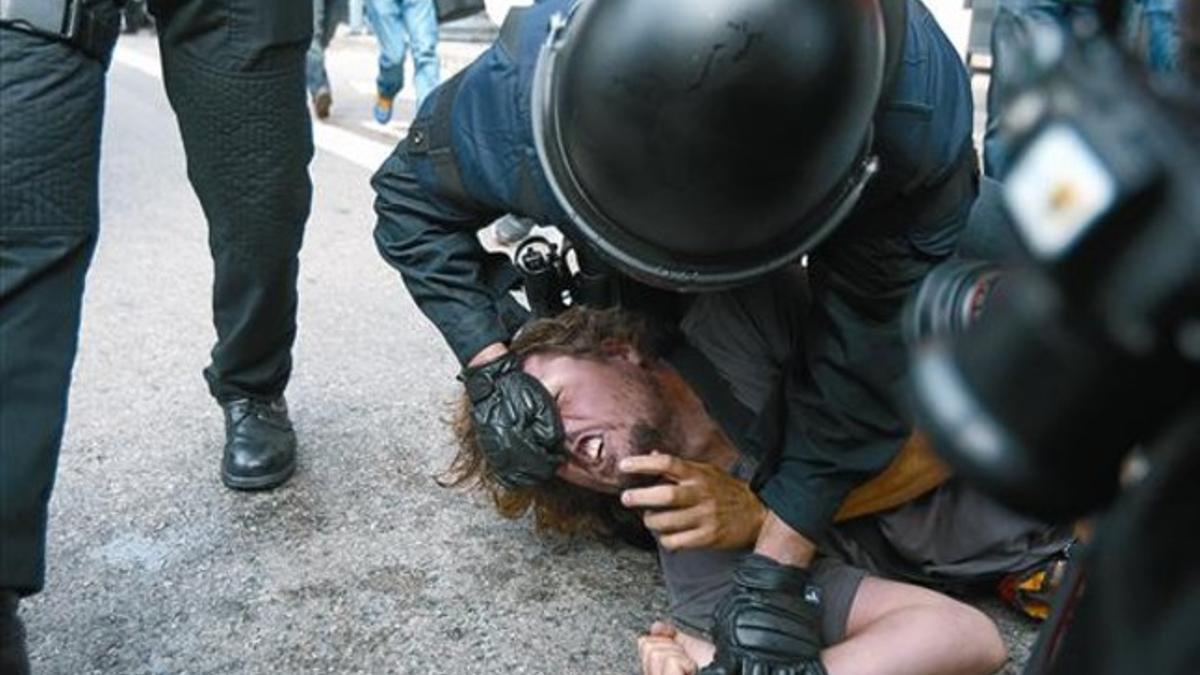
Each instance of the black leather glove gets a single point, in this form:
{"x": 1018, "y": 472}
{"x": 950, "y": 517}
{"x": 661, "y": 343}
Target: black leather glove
{"x": 769, "y": 623}
{"x": 516, "y": 421}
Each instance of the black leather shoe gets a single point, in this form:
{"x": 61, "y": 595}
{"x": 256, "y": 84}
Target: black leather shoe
{"x": 14, "y": 659}
{"x": 260, "y": 445}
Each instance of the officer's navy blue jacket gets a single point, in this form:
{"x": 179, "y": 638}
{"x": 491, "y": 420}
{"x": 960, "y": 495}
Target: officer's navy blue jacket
{"x": 843, "y": 402}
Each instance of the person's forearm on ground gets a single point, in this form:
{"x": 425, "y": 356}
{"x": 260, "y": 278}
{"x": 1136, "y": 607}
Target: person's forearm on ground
{"x": 892, "y": 649}
{"x": 908, "y": 641}
{"x": 940, "y": 638}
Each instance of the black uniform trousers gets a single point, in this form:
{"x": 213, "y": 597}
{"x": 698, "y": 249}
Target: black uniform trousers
{"x": 234, "y": 73}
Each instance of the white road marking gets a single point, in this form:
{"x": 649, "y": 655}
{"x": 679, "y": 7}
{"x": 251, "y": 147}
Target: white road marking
{"x": 397, "y": 129}
{"x": 348, "y": 145}
{"x": 132, "y": 58}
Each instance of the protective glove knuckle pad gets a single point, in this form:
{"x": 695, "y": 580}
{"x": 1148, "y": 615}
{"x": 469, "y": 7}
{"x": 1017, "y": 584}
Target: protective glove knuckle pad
{"x": 516, "y": 422}
{"x": 770, "y": 621}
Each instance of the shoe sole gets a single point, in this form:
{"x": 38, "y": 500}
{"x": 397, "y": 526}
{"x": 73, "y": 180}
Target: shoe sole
{"x": 255, "y": 483}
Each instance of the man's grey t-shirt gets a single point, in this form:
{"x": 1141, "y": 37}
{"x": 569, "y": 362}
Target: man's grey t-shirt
{"x": 697, "y": 579}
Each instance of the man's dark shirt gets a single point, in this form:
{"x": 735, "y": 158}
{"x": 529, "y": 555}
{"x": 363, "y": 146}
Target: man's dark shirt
{"x": 470, "y": 158}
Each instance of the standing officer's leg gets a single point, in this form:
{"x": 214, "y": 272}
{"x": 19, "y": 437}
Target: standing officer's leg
{"x": 234, "y": 71}
{"x": 51, "y": 102}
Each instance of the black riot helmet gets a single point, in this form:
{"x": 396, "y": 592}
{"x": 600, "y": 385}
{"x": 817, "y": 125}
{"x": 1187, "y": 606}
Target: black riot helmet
{"x": 698, "y": 144}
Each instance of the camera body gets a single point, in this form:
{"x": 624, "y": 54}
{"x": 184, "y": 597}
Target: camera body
{"x": 1094, "y": 345}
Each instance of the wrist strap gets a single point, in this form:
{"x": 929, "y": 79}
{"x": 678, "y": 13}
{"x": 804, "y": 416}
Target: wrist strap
{"x": 758, "y": 572}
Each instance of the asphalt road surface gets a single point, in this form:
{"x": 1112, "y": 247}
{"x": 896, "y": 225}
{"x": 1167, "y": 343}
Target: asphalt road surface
{"x": 361, "y": 564}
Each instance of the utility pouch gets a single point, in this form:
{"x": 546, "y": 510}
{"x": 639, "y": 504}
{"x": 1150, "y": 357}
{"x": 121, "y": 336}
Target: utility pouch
{"x": 68, "y": 21}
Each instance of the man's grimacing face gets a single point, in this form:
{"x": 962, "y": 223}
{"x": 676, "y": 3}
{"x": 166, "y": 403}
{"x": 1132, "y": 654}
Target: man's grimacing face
{"x": 611, "y": 408}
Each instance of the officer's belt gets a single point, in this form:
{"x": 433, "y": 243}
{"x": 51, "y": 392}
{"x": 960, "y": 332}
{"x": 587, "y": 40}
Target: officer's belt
{"x": 68, "y": 21}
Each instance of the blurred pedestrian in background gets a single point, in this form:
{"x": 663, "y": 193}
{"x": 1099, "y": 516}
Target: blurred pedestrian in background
{"x": 1151, "y": 32}
{"x": 1155, "y": 33}
{"x": 402, "y": 26}
{"x": 135, "y": 17}
{"x": 327, "y": 14}
{"x": 358, "y": 18}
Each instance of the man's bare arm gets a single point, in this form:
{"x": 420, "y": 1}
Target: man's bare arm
{"x": 779, "y": 542}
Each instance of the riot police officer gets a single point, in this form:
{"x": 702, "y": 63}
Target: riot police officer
{"x": 234, "y": 74}
{"x": 694, "y": 147}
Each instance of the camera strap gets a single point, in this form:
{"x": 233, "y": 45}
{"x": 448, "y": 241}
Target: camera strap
{"x": 69, "y": 21}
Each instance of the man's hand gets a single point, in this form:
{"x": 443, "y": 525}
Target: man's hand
{"x": 666, "y": 651}
{"x": 661, "y": 655}
{"x": 516, "y": 421}
{"x": 769, "y": 623}
{"x": 698, "y": 505}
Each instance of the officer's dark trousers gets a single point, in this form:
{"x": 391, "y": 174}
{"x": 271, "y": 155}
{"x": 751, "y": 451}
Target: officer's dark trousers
{"x": 234, "y": 73}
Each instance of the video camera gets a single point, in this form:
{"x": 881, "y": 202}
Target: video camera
{"x": 1094, "y": 345}
{"x": 1037, "y": 379}
{"x": 558, "y": 276}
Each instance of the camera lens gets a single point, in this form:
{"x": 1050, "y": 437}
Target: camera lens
{"x": 950, "y": 299}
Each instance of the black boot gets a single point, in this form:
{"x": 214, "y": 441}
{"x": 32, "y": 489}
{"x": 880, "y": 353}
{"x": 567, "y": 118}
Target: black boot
{"x": 14, "y": 659}
{"x": 260, "y": 445}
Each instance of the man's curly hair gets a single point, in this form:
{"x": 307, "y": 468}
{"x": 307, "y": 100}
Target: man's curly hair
{"x": 557, "y": 506}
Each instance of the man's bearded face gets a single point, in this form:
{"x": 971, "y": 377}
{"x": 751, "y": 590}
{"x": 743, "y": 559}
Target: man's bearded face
{"x": 611, "y": 408}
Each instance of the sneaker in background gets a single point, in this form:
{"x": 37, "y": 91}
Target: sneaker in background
{"x": 383, "y": 109}
{"x": 322, "y": 102}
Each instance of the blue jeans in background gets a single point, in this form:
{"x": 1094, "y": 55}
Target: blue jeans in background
{"x": 1150, "y": 32}
{"x": 1154, "y": 33}
{"x": 1014, "y": 20}
{"x": 357, "y": 17}
{"x": 401, "y": 26}
{"x": 326, "y": 16}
